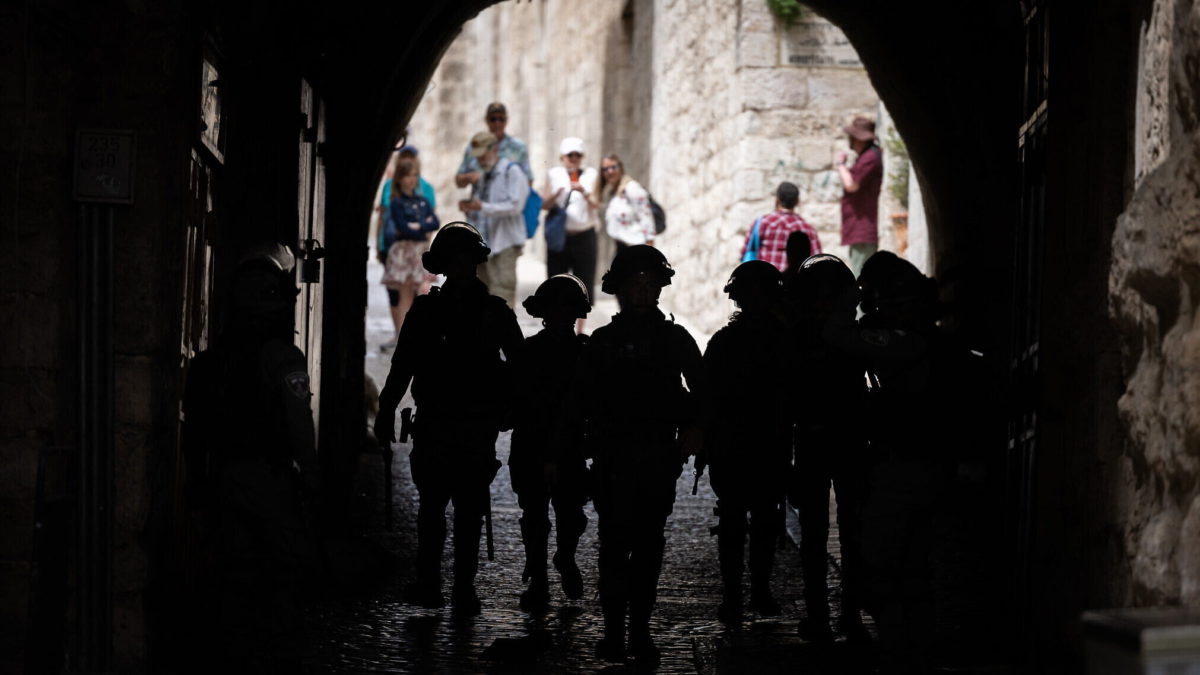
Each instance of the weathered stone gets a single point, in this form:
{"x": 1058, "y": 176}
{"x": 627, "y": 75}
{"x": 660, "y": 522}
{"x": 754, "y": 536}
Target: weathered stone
{"x": 826, "y": 187}
{"x": 823, "y": 216}
{"x": 749, "y": 182}
{"x": 814, "y": 155}
{"x": 758, "y": 50}
{"x": 134, "y": 390}
{"x": 1152, "y": 133}
{"x": 841, "y": 90}
{"x": 16, "y": 537}
{"x": 1155, "y": 310}
{"x": 29, "y": 396}
{"x": 764, "y": 88}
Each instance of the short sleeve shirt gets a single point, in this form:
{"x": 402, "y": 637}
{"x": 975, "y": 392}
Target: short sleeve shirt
{"x": 860, "y": 209}
{"x": 511, "y": 148}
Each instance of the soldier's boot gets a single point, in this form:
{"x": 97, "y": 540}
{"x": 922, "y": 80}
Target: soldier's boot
{"x": 645, "y": 566}
{"x": 762, "y": 558}
{"x": 536, "y": 597}
{"x": 761, "y": 600}
{"x": 815, "y": 626}
{"x": 611, "y": 647}
{"x": 850, "y": 621}
{"x": 570, "y": 528}
{"x": 426, "y": 591}
{"x": 569, "y": 574}
{"x": 731, "y": 538}
{"x": 641, "y": 643}
{"x": 464, "y": 601}
{"x": 614, "y": 573}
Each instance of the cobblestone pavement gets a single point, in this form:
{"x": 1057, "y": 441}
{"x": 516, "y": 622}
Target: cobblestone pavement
{"x": 367, "y": 628}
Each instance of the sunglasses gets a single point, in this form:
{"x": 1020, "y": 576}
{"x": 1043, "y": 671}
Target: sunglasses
{"x": 614, "y": 167}
{"x": 574, "y": 154}
{"x": 497, "y": 119}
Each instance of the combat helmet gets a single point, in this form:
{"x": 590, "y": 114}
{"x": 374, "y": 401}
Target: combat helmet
{"x": 263, "y": 283}
{"x": 891, "y": 283}
{"x": 640, "y": 259}
{"x": 754, "y": 277}
{"x": 455, "y": 237}
{"x": 824, "y": 274}
{"x": 560, "y": 290}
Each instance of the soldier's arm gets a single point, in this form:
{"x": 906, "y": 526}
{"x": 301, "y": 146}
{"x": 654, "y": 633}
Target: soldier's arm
{"x": 691, "y": 364}
{"x": 873, "y": 347}
{"x": 408, "y": 347}
{"x": 289, "y": 369}
{"x": 510, "y": 336}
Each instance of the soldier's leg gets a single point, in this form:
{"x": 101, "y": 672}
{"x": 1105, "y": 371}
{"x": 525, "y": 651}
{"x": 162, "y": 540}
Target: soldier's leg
{"x": 570, "y": 523}
{"x": 765, "y": 521}
{"x": 814, "y": 533}
{"x": 433, "y": 497}
{"x": 849, "y": 488}
{"x": 656, "y": 501}
{"x": 613, "y": 529}
{"x": 535, "y": 530}
{"x": 731, "y": 542}
{"x": 470, "y": 503}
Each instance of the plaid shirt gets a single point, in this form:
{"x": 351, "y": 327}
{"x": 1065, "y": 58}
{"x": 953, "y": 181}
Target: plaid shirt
{"x": 773, "y": 234}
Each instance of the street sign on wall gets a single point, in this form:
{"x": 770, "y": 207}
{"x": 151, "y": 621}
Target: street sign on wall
{"x": 104, "y": 166}
{"x": 815, "y": 42}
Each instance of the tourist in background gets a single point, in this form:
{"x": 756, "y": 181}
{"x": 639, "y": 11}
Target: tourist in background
{"x": 860, "y": 199}
{"x": 767, "y": 238}
{"x": 509, "y": 147}
{"x": 410, "y": 219}
{"x": 497, "y": 209}
{"x": 625, "y": 204}
{"x": 573, "y": 188}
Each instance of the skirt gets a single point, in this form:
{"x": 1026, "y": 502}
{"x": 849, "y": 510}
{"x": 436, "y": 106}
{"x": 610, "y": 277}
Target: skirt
{"x": 403, "y": 263}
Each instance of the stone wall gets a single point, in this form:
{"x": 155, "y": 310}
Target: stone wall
{"x": 1154, "y": 299}
{"x": 696, "y": 97}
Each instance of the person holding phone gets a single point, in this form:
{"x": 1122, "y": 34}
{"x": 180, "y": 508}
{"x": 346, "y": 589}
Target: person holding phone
{"x": 573, "y": 188}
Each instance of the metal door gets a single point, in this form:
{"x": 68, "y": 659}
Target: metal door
{"x": 311, "y": 235}
{"x": 1024, "y": 365}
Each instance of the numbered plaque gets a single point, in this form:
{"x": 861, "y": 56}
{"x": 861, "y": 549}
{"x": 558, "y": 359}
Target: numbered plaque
{"x": 104, "y": 166}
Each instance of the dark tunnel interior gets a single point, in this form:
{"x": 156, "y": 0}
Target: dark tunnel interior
{"x": 992, "y": 406}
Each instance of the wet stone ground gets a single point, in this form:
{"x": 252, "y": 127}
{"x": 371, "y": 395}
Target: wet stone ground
{"x": 365, "y": 627}
{"x": 374, "y": 631}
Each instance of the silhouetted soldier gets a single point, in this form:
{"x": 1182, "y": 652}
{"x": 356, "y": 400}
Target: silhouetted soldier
{"x": 749, "y": 448}
{"x": 830, "y": 406}
{"x": 544, "y": 471}
{"x": 642, "y": 425}
{"x": 251, "y": 461}
{"x": 449, "y": 349}
{"x": 914, "y": 377}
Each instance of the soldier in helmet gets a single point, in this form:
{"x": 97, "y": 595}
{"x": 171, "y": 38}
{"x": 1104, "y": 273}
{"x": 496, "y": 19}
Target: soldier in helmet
{"x": 749, "y": 448}
{"x": 251, "y": 462}
{"x": 642, "y": 425}
{"x": 543, "y": 471}
{"x": 449, "y": 349}
{"x": 830, "y": 448}
{"x": 914, "y": 371}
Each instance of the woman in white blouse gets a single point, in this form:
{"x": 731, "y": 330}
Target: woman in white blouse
{"x": 626, "y": 205}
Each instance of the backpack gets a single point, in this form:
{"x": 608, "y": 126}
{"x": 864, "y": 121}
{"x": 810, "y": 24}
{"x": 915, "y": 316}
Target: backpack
{"x": 660, "y": 216}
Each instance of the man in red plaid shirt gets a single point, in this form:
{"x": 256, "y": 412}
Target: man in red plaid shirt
{"x": 774, "y": 228}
